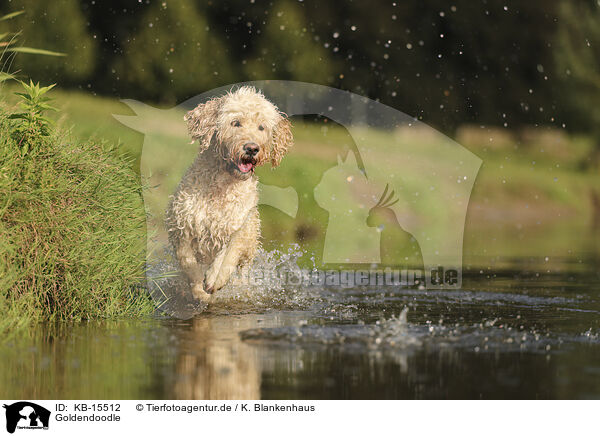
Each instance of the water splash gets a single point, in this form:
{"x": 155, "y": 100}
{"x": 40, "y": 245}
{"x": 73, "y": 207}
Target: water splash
{"x": 270, "y": 282}
{"x": 397, "y": 335}
{"x": 394, "y": 332}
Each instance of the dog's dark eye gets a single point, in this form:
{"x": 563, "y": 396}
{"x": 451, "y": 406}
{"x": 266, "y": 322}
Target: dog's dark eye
{"x": 261, "y": 127}
{"x": 236, "y": 123}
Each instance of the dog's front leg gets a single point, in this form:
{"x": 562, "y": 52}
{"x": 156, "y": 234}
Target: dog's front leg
{"x": 243, "y": 243}
{"x": 192, "y": 269}
{"x": 217, "y": 277}
{"x": 213, "y": 271}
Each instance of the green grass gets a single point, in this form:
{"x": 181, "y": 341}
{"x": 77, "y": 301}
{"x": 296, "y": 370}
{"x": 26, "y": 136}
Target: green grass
{"x": 72, "y": 228}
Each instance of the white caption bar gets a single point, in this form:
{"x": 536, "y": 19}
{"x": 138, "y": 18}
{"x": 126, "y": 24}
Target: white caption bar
{"x": 300, "y": 417}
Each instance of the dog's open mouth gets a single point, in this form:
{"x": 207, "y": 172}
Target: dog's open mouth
{"x": 246, "y": 164}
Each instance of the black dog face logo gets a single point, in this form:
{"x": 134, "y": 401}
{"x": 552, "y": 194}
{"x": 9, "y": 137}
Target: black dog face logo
{"x": 27, "y": 415}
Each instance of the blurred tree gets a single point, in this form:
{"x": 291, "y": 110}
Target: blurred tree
{"x": 577, "y": 56}
{"x": 287, "y": 50}
{"x": 484, "y": 61}
{"x": 9, "y": 41}
{"x": 445, "y": 62}
{"x": 174, "y": 55}
{"x": 60, "y": 27}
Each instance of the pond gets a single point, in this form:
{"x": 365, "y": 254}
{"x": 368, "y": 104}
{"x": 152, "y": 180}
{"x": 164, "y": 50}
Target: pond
{"x": 528, "y": 328}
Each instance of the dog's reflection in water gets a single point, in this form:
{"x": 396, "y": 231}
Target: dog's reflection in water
{"x": 214, "y": 364}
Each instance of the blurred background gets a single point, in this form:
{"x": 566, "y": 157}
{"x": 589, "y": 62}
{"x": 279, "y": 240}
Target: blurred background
{"x": 517, "y": 83}
{"x": 502, "y": 63}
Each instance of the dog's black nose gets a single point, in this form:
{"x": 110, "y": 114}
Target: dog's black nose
{"x": 251, "y": 148}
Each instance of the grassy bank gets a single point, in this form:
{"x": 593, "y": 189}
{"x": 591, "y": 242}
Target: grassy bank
{"x": 71, "y": 225}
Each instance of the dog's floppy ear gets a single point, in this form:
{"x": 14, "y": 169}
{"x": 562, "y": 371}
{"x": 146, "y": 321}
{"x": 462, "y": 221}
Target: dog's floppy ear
{"x": 202, "y": 122}
{"x": 282, "y": 139}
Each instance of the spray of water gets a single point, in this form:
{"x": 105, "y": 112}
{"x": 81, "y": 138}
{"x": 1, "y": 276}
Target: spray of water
{"x": 270, "y": 282}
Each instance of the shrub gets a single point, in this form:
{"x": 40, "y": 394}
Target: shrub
{"x": 72, "y": 225}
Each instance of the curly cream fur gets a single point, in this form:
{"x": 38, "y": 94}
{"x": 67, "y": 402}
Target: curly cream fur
{"x": 212, "y": 219}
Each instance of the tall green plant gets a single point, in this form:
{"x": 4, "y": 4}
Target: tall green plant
{"x": 32, "y": 121}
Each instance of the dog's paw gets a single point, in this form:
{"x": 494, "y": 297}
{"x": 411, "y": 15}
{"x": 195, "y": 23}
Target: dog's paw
{"x": 214, "y": 282}
{"x": 223, "y": 277}
{"x": 209, "y": 289}
{"x": 199, "y": 292}
{"x": 210, "y": 279}
{"x": 210, "y": 286}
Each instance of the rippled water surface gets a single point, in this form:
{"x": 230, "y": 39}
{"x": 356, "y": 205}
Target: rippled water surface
{"x": 525, "y": 331}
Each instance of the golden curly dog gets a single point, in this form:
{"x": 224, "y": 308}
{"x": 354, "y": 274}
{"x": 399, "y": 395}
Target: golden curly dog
{"x": 212, "y": 219}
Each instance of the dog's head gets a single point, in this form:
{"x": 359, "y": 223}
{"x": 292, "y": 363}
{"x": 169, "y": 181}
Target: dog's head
{"x": 244, "y": 128}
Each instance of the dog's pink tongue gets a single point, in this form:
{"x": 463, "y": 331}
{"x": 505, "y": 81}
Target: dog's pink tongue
{"x": 245, "y": 167}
